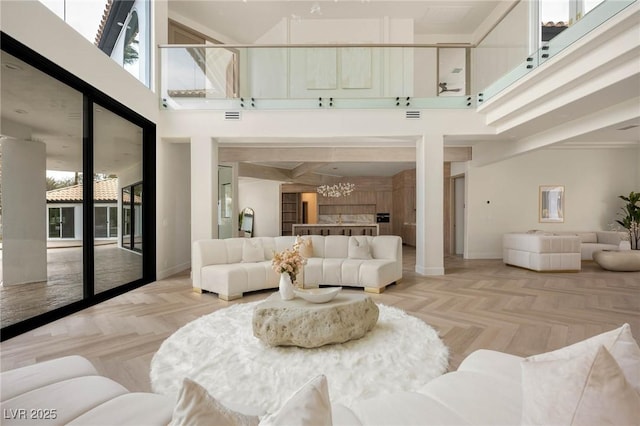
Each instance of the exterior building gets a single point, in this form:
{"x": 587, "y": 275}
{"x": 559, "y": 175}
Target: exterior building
{"x": 64, "y": 205}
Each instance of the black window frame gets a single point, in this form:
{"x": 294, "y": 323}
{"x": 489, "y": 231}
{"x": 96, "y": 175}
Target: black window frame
{"x": 91, "y": 96}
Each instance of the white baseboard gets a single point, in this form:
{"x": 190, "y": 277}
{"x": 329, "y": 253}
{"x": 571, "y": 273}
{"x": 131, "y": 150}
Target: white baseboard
{"x": 165, "y": 273}
{"x": 433, "y": 271}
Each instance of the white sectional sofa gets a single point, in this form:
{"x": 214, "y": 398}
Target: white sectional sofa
{"x": 233, "y": 266}
{"x": 596, "y": 381}
{"x": 557, "y": 251}
{"x": 69, "y": 391}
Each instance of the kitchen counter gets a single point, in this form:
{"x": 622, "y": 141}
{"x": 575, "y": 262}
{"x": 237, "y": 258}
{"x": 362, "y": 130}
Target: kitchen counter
{"x": 336, "y": 229}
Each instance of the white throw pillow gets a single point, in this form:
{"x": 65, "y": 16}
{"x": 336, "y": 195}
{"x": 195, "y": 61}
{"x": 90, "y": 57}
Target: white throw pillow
{"x": 589, "y": 389}
{"x": 308, "y": 406}
{"x": 252, "y": 251}
{"x": 359, "y": 248}
{"x": 619, "y": 342}
{"x": 195, "y": 407}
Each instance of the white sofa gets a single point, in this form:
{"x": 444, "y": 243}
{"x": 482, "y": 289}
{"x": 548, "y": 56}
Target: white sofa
{"x": 542, "y": 252}
{"x": 230, "y": 268}
{"x": 484, "y": 390}
{"x": 489, "y": 388}
{"x": 69, "y": 391}
{"x": 590, "y": 242}
{"x": 558, "y": 251}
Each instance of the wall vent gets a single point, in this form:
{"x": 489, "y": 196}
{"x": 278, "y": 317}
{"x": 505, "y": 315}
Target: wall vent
{"x": 412, "y": 114}
{"x": 232, "y": 115}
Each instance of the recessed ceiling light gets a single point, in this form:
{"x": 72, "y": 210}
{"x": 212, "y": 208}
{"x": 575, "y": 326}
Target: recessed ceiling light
{"x": 21, "y": 111}
{"x": 12, "y": 66}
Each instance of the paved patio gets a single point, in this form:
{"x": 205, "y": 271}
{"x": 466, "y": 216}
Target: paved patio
{"x": 113, "y": 266}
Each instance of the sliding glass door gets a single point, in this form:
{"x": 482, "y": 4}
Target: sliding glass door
{"x": 71, "y": 235}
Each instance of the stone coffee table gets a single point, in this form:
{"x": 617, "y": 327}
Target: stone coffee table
{"x": 300, "y": 323}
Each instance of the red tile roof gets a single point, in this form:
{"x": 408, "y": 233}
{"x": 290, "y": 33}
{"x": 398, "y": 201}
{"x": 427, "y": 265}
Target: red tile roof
{"x": 103, "y": 190}
{"x": 103, "y": 22}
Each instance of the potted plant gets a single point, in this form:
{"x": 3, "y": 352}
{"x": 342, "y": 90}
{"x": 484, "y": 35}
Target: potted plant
{"x": 631, "y": 218}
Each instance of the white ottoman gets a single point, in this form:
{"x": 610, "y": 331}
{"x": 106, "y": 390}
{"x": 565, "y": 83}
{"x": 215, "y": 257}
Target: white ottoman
{"x": 542, "y": 252}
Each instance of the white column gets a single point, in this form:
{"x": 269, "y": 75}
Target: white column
{"x": 24, "y": 207}
{"x": 204, "y": 188}
{"x": 430, "y": 205}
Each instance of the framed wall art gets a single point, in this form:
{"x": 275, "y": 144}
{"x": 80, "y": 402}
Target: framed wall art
{"x": 551, "y": 205}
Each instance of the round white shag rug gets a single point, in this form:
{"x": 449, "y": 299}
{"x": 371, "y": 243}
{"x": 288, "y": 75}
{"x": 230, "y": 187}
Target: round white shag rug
{"x": 219, "y": 351}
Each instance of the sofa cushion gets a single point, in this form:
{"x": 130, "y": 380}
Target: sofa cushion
{"x": 589, "y": 389}
{"x": 587, "y": 237}
{"x": 131, "y": 409}
{"x": 336, "y": 247}
{"x": 359, "y": 248}
{"x": 500, "y": 364}
{"x": 308, "y": 406}
{"x": 343, "y": 416}
{"x": 619, "y": 342}
{"x": 588, "y": 249}
{"x": 406, "y": 408}
{"x": 195, "y": 406}
{"x": 478, "y": 398}
{"x": 252, "y": 251}
{"x": 610, "y": 237}
{"x": 24, "y": 379}
{"x": 69, "y": 398}
{"x": 542, "y": 243}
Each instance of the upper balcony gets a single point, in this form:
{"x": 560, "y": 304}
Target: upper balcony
{"x": 361, "y": 76}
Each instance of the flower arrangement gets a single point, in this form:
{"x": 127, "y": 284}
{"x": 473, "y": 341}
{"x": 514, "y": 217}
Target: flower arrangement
{"x": 289, "y": 261}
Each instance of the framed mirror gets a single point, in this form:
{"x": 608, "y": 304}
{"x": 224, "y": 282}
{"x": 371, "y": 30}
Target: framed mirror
{"x": 246, "y": 221}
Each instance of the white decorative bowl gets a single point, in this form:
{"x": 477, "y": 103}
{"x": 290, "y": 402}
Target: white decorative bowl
{"x": 318, "y": 295}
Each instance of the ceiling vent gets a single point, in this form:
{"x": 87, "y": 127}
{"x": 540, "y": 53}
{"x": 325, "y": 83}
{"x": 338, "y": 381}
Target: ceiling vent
{"x": 412, "y": 114}
{"x": 232, "y": 115}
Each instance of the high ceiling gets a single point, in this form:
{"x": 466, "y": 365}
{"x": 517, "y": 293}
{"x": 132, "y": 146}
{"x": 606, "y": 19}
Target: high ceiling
{"x": 245, "y": 21}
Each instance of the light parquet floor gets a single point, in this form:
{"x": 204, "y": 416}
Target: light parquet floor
{"x": 476, "y": 304}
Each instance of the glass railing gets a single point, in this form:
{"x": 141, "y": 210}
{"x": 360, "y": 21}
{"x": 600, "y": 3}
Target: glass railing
{"x": 310, "y": 77}
{"x": 596, "y": 17}
{"x": 358, "y": 76}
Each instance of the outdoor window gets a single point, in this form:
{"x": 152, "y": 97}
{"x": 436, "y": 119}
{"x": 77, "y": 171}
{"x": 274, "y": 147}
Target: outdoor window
{"x": 124, "y": 34}
{"x": 558, "y": 15}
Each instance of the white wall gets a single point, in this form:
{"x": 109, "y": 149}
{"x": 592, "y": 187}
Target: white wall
{"x": 262, "y": 196}
{"x": 502, "y": 50}
{"x": 593, "y": 179}
{"x": 173, "y": 245}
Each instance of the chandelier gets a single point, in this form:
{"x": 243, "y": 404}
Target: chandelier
{"x": 341, "y": 189}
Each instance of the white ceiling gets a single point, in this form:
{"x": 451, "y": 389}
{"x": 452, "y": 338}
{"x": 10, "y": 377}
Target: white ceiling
{"x": 246, "y": 21}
